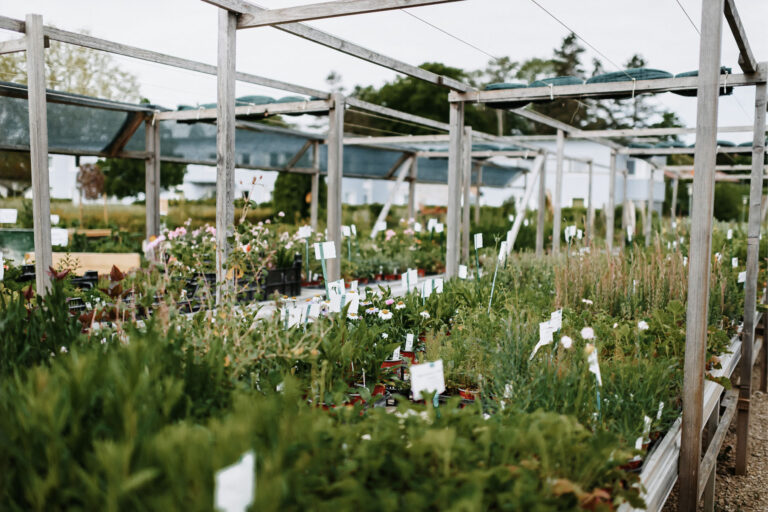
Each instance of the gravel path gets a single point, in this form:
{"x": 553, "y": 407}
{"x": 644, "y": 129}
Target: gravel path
{"x": 746, "y": 493}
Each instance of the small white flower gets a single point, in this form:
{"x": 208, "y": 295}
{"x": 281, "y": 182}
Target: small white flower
{"x": 615, "y": 325}
{"x": 400, "y": 305}
{"x": 587, "y": 302}
{"x": 424, "y": 314}
{"x": 352, "y": 316}
{"x": 642, "y": 325}
{"x": 588, "y": 333}
{"x": 385, "y": 314}
{"x": 281, "y": 214}
{"x": 63, "y": 350}
{"x": 566, "y": 342}
{"x": 372, "y": 311}
{"x": 384, "y": 335}
{"x": 366, "y": 437}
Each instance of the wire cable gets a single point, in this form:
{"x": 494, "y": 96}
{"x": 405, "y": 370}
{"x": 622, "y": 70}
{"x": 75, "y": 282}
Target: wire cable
{"x": 689, "y": 17}
{"x": 393, "y": 119}
{"x": 450, "y": 35}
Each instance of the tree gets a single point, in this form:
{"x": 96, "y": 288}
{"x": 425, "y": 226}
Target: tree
{"x": 126, "y": 177}
{"x": 292, "y": 192}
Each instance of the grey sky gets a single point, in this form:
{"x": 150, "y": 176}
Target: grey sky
{"x": 657, "y": 29}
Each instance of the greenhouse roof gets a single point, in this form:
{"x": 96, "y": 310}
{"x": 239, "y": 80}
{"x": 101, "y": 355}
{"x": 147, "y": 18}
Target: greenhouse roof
{"x": 82, "y": 125}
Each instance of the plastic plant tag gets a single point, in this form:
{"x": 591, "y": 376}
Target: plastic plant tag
{"x": 729, "y": 235}
{"x": 594, "y": 366}
{"x": 579, "y": 234}
{"x": 462, "y": 271}
{"x": 674, "y": 224}
{"x": 685, "y": 261}
{"x": 409, "y": 342}
{"x": 235, "y": 485}
{"x": 502, "y": 251}
{"x": 54, "y": 219}
{"x": 380, "y": 226}
{"x": 630, "y": 232}
{"x": 427, "y": 377}
{"x": 556, "y": 320}
{"x": 511, "y": 218}
{"x": 525, "y": 222}
{"x": 8, "y": 215}
{"x": 295, "y": 316}
{"x": 336, "y": 288}
{"x": 647, "y": 429}
{"x": 396, "y": 354}
{"x": 734, "y": 262}
{"x": 353, "y": 285}
{"x": 661, "y": 408}
{"x": 314, "y": 310}
{"x": 439, "y": 227}
{"x": 2, "y": 266}
{"x": 325, "y": 251}
{"x": 304, "y": 231}
{"x": 437, "y": 285}
{"x": 478, "y": 240}
{"x": 718, "y": 257}
{"x": 431, "y": 223}
{"x": 742, "y": 277}
{"x": 354, "y": 229}
{"x": 545, "y": 337}
{"x": 346, "y": 231}
{"x": 59, "y": 236}
{"x": 417, "y": 227}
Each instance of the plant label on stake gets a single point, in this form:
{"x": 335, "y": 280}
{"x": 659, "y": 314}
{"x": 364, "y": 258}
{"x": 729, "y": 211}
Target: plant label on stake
{"x": 594, "y": 367}
{"x": 323, "y": 251}
{"x": 427, "y": 377}
{"x": 8, "y": 215}
{"x": 729, "y": 235}
{"x": 409, "y": 342}
{"x": 235, "y": 485}
{"x": 501, "y": 258}
{"x": 478, "y": 245}
{"x": 417, "y": 227}
{"x": 59, "y": 236}
{"x": 742, "y": 278}
{"x": 462, "y": 272}
{"x": 545, "y": 337}
{"x": 439, "y": 227}
{"x": 346, "y": 232}
{"x": 431, "y": 224}
{"x": 556, "y": 320}
{"x": 396, "y": 354}
{"x": 734, "y": 262}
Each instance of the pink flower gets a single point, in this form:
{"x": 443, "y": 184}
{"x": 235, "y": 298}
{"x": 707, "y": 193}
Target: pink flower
{"x": 178, "y": 232}
{"x": 388, "y": 234}
{"x": 408, "y": 232}
{"x": 267, "y": 221}
{"x": 389, "y": 302}
{"x": 211, "y": 230}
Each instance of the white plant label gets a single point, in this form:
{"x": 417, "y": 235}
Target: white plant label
{"x": 353, "y": 285}
{"x": 336, "y": 288}
{"x": 674, "y": 224}
{"x": 346, "y": 231}
{"x": 742, "y": 277}
{"x": 314, "y": 310}
{"x": 396, "y": 354}
{"x": 718, "y": 257}
{"x": 2, "y": 266}
{"x": 417, "y": 227}
{"x": 647, "y": 429}
{"x": 427, "y": 377}
{"x": 463, "y": 272}
{"x": 478, "y": 240}
{"x": 54, "y": 219}
{"x": 556, "y": 320}
{"x": 729, "y": 235}
{"x": 658, "y": 413}
{"x": 235, "y": 485}
{"x": 511, "y": 218}
{"x": 59, "y": 236}
{"x": 325, "y": 251}
{"x": 409, "y": 342}
{"x": 685, "y": 261}
{"x": 594, "y": 366}
{"x": 295, "y": 316}
{"x": 502, "y": 251}
{"x": 305, "y": 231}
{"x": 579, "y": 234}
{"x": 734, "y": 262}
{"x": 431, "y": 223}
{"x": 545, "y": 337}
{"x": 439, "y": 227}
{"x": 354, "y": 229}
{"x": 525, "y": 222}
{"x": 8, "y": 215}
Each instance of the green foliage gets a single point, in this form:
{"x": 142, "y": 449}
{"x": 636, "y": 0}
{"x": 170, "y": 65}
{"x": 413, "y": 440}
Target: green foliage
{"x": 292, "y": 192}
{"x": 125, "y": 177}
{"x": 728, "y": 201}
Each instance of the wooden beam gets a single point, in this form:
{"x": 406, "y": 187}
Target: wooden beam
{"x": 335, "y": 176}
{"x": 38, "y": 145}
{"x": 13, "y": 46}
{"x": 747, "y": 61}
{"x": 396, "y": 114}
{"x": 648, "y": 132}
{"x": 398, "y": 163}
{"x": 152, "y": 179}
{"x": 649, "y": 214}
{"x": 708, "y": 84}
{"x": 479, "y": 154}
{"x": 322, "y": 10}
{"x": 542, "y": 207}
{"x": 225, "y": 146}
{"x": 131, "y": 124}
{"x": 271, "y": 109}
{"x": 601, "y": 90}
{"x": 466, "y": 167}
{"x": 315, "y": 189}
{"x": 478, "y": 185}
{"x": 453, "y": 215}
{"x": 709, "y": 462}
{"x": 405, "y": 167}
{"x": 395, "y": 139}
{"x": 590, "y": 206}
{"x": 537, "y": 170}
{"x": 300, "y": 153}
{"x": 750, "y": 286}
{"x": 554, "y": 123}
{"x": 159, "y": 58}
{"x": 681, "y": 151}
{"x": 673, "y": 208}
{"x": 557, "y": 200}
{"x": 611, "y": 209}
{"x": 325, "y": 39}
{"x": 412, "y": 188}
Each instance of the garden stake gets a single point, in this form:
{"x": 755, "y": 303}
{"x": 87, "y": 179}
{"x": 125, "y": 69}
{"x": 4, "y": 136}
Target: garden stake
{"x": 306, "y": 246}
{"x": 325, "y": 276}
{"x": 493, "y": 285}
{"x": 477, "y": 263}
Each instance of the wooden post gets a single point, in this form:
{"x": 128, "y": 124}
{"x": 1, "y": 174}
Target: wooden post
{"x": 750, "y": 292}
{"x": 541, "y": 215}
{"x": 611, "y": 209}
{"x": 405, "y": 168}
{"x": 624, "y": 204}
{"x": 38, "y": 151}
{"x": 700, "y": 250}
{"x": 453, "y": 217}
{"x": 152, "y": 178}
{"x": 412, "y": 188}
{"x": 649, "y": 214}
{"x": 675, "y": 186}
{"x": 314, "y": 194}
{"x": 709, "y": 490}
{"x": 764, "y": 357}
{"x": 537, "y": 169}
{"x": 556, "y": 202}
{"x": 590, "y": 206}
{"x": 335, "y": 173}
{"x": 479, "y": 183}
{"x": 467, "y": 180}
{"x": 225, "y": 144}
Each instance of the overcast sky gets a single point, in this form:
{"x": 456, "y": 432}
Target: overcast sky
{"x": 656, "y": 29}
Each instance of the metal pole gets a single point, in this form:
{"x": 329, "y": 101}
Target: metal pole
{"x": 453, "y": 217}
{"x": 38, "y": 151}
{"x": 152, "y": 178}
{"x": 335, "y": 173}
{"x": 700, "y": 251}
{"x": 225, "y": 143}
{"x": 314, "y": 195}
{"x": 412, "y": 188}
{"x": 649, "y": 213}
{"x": 611, "y": 209}
{"x": 750, "y": 293}
{"x": 556, "y": 206}
{"x": 467, "y": 180}
{"x": 542, "y": 212}
{"x": 590, "y": 206}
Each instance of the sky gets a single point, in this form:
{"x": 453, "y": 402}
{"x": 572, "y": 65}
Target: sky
{"x": 656, "y": 29}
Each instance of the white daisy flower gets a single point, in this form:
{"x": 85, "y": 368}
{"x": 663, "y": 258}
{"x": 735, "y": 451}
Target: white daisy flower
{"x": 588, "y": 333}
{"x": 385, "y": 314}
{"x": 424, "y": 314}
{"x": 642, "y": 325}
{"x": 566, "y": 342}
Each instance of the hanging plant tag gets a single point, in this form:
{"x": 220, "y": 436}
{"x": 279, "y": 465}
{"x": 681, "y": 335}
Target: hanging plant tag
{"x": 427, "y": 377}
{"x": 325, "y": 251}
{"x": 409, "y": 342}
{"x": 8, "y": 215}
{"x": 346, "y": 231}
{"x": 235, "y": 485}
{"x": 478, "y": 240}
{"x": 463, "y": 272}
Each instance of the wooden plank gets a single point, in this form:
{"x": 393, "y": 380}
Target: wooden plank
{"x": 152, "y": 179}
{"x": 478, "y": 185}
{"x": 479, "y": 154}
{"x": 38, "y": 146}
{"x": 315, "y": 187}
{"x": 335, "y": 176}
{"x": 537, "y": 170}
{"x": 300, "y": 153}
{"x": 271, "y": 109}
{"x": 541, "y": 214}
{"x": 750, "y": 291}
{"x": 96, "y": 43}
{"x": 649, "y": 213}
{"x": 396, "y": 139}
{"x": 322, "y": 10}
{"x": 127, "y": 131}
{"x": 747, "y": 61}
{"x": 554, "y": 123}
{"x": 405, "y": 168}
{"x": 700, "y": 250}
{"x": 344, "y": 46}
{"x": 610, "y": 211}
{"x": 675, "y": 186}
{"x": 453, "y": 216}
{"x": 590, "y": 206}
{"x": 466, "y": 168}
{"x": 412, "y": 188}
{"x": 400, "y": 161}
{"x": 13, "y": 46}
{"x": 601, "y": 90}
{"x": 649, "y": 132}
{"x": 681, "y": 151}
{"x": 225, "y": 146}
{"x": 557, "y": 200}
{"x": 709, "y": 461}
{"x": 709, "y": 489}
{"x": 396, "y": 114}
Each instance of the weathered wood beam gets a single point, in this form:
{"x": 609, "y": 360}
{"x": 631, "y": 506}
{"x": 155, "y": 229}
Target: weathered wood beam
{"x": 325, "y": 39}
{"x": 699, "y": 260}
{"x": 557, "y": 199}
{"x": 13, "y": 46}
{"x": 611, "y": 209}
{"x": 414, "y": 173}
{"x": 131, "y": 124}
{"x": 590, "y": 205}
{"x": 542, "y": 207}
{"x": 650, "y": 132}
{"x": 747, "y": 61}
{"x": 320, "y": 10}
{"x": 537, "y": 170}
{"x": 395, "y": 139}
{"x": 554, "y": 123}
{"x": 152, "y": 179}
{"x": 681, "y": 151}
{"x": 335, "y": 176}
{"x": 396, "y": 114}
{"x": 400, "y": 161}
{"x": 709, "y": 461}
{"x": 300, "y": 153}
{"x": 314, "y": 200}
{"x": 453, "y": 215}
{"x": 480, "y": 154}
{"x": 466, "y": 182}
{"x": 271, "y": 109}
